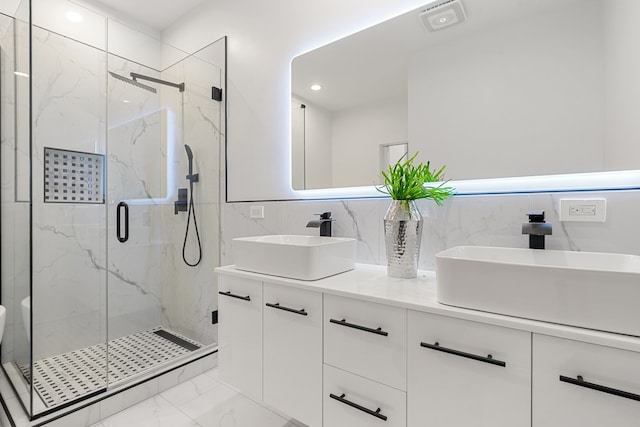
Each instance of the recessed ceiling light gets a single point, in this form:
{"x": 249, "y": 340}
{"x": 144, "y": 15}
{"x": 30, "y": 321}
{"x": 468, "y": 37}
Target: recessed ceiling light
{"x": 126, "y": 101}
{"x": 74, "y": 16}
{"x": 21, "y": 74}
{"x": 316, "y": 87}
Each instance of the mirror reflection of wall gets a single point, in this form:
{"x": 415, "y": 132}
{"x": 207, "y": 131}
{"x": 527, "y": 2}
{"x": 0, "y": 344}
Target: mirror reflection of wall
{"x": 390, "y": 154}
{"x": 341, "y": 148}
{"x": 518, "y": 89}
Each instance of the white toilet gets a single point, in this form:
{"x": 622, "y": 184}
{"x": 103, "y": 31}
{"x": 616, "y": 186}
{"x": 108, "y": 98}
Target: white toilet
{"x": 3, "y": 318}
{"x": 26, "y": 316}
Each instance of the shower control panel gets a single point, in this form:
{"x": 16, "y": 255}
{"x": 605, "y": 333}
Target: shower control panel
{"x": 73, "y": 176}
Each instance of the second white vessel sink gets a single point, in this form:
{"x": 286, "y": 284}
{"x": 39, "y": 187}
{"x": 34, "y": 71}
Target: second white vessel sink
{"x": 591, "y": 290}
{"x": 295, "y": 257}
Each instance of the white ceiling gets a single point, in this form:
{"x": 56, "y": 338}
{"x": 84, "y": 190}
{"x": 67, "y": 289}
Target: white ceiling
{"x": 157, "y": 14}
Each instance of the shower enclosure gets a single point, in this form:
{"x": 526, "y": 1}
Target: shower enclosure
{"x": 95, "y": 116}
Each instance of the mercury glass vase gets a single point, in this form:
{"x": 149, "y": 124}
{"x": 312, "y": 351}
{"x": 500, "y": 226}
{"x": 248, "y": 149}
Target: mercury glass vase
{"x": 402, "y": 235}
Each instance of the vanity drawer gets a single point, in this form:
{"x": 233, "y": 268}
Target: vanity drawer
{"x": 463, "y": 373}
{"x": 353, "y": 401}
{"x": 582, "y": 384}
{"x": 367, "y": 339}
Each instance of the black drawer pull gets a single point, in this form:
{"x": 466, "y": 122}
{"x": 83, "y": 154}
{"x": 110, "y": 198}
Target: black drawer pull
{"x": 343, "y": 322}
{"x": 579, "y": 381}
{"x": 290, "y": 310}
{"x": 375, "y": 413}
{"x": 487, "y": 359}
{"x": 229, "y": 294}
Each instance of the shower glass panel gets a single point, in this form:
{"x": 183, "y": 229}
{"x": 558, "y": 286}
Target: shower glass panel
{"x": 104, "y": 279}
{"x": 69, "y": 256}
{"x": 15, "y": 211}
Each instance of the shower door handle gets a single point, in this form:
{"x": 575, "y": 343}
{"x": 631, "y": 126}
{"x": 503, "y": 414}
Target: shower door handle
{"x": 125, "y": 237}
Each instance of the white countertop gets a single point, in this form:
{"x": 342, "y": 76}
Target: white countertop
{"x": 371, "y": 283}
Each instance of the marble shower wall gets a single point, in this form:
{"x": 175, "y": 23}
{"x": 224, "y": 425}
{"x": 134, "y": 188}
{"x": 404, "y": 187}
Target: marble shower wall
{"x": 491, "y": 220}
{"x": 85, "y": 282}
{"x": 189, "y": 294}
{"x": 68, "y": 240}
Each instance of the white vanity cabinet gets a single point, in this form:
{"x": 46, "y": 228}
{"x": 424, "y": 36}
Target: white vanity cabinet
{"x": 292, "y": 358}
{"x": 240, "y": 334}
{"x": 361, "y": 349}
{"x": 463, "y": 373}
{"x": 582, "y": 384}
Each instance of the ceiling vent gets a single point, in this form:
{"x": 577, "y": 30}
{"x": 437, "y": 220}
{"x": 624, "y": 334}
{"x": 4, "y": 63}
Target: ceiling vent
{"x": 442, "y": 15}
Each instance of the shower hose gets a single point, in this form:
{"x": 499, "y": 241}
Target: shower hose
{"x": 192, "y": 211}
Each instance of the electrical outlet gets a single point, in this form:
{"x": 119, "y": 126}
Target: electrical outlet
{"x": 256, "y": 212}
{"x": 583, "y": 210}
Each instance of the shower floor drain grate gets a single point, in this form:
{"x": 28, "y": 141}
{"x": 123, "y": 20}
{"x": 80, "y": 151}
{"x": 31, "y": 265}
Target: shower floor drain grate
{"x": 66, "y": 377}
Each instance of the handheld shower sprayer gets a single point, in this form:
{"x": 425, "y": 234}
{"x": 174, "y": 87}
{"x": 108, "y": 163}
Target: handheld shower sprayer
{"x": 191, "y": 178}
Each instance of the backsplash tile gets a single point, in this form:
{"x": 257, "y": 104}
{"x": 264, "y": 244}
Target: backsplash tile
{"x": 483, "y": 220}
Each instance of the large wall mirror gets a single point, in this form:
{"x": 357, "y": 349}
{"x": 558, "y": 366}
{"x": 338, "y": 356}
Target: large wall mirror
{"x": 515, "y": 88}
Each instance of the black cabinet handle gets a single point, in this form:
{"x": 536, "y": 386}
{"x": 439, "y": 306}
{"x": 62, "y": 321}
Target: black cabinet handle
{"x": 375, "y": 413}
{"x": 290, "y": 310}
{"x": 125, "y": 237}
{"x": 229, "y": 294}
{"x": 579, "y": 381}
{"x": 343, "y": 322}
{"x": 487, "y": 359}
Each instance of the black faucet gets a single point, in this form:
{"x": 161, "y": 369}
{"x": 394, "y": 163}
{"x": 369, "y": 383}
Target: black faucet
{"x": 536, "y": 228}
{"x": 324, "y": 223}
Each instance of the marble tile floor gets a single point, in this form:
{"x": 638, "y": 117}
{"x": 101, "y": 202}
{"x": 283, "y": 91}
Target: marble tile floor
{"x": 203, "y": 401}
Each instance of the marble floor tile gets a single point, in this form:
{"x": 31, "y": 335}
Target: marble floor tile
{"x": 227, "y": 408}
{"x": 203, "y": 401}
{"x": 190, "y": 390}
{"x": 153, "y": 412}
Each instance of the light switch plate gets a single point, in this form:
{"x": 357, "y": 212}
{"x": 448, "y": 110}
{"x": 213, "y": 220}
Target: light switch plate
{"x": 583, "y": 210}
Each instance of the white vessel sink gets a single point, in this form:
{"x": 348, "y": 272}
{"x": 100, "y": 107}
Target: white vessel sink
{"x": 295, "y": 257}
{"x": 591, "y": 290}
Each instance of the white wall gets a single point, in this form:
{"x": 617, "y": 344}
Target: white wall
{"x": 263, "y": 38}
{"x": 622, "y": 96}
{"x": 318, "y": 149}
{"x": 358, "y": 133}
{"x": 504, "y": 76}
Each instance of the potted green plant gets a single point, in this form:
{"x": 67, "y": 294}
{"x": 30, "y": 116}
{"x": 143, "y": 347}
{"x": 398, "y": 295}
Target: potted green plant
{"x": 406, "y": 182}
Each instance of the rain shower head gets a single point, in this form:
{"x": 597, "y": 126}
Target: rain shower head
{"x": 133, "y": 82}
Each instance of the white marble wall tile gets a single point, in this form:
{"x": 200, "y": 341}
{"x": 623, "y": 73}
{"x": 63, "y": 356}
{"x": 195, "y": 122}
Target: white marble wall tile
{"x": 68, "y": 99}
{"x": 210, "y": 362}
{"x": 69, "y": 260}
{"x": 236, "y": 222}
{"x": 7, "y": 105}
{"x": 189, "y": 293}
{"x": 80, "y": 418}
{"x": 353, "y": 218}
{"x": 135, "y": 273}
{"x": 483, "y": 220}
{"x": 618, "y": 234}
